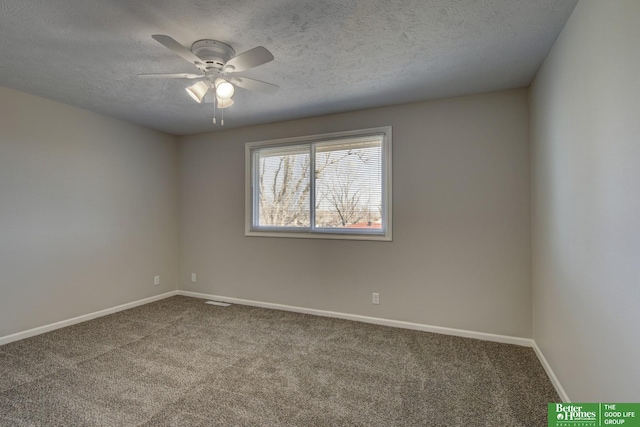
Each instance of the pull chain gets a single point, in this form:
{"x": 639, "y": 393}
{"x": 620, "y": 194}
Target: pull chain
{"x": 215, "y": 101}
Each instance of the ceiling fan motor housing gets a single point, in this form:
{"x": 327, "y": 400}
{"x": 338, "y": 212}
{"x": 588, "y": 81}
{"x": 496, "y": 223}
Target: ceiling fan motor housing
{"x": 213, "y": 53}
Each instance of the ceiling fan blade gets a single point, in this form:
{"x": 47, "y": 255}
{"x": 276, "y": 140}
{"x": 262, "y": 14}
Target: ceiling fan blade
{"x": 249, "y": 59}
{"x": 177, "y": 48}
{"x": 172, "y": 76}
{"x": 252, "y": 84}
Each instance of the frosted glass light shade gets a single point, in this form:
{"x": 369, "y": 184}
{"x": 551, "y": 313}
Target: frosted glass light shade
{"x": 224, "y": 90}
{"x": 224, "y": 103}
{"x": 198, "y": 91}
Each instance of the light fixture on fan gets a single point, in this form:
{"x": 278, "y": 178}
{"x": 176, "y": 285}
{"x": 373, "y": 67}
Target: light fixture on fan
{"x": 223, "y": 93}
{"x": 198, "y": 91}
{"x": 224, "y": 103}
{"x": 222, "y": 98}
{"x": 224, "y": 89}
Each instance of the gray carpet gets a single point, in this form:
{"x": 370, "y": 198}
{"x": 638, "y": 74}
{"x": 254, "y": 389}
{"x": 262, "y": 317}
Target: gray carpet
{"x": 180, "y": 362}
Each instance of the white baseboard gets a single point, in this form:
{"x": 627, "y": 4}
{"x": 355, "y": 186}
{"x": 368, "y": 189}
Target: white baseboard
{"x": 552, "y": 376}
{"x": 57, "y": 325}
{"x": 526, "y": 342}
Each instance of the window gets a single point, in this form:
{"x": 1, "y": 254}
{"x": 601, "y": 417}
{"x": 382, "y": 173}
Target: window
{"x": 348, "y": 196}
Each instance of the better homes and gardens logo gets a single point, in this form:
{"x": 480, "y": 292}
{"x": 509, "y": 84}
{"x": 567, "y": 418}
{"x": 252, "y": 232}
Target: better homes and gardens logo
{"x": 593, "y": 414}
{"x": 575, "y": 414}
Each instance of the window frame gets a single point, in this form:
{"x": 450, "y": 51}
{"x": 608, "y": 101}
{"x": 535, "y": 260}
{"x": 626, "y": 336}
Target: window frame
{"x": 251, "y": 197}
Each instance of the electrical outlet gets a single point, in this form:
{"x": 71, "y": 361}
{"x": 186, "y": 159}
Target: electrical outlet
{"x": 193, "y": 277}
{"x": 375, "y": 298}
{"x": 156, "y": 280}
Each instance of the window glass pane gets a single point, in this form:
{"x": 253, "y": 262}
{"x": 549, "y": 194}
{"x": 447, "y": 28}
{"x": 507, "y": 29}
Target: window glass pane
{"x": 349, "y": 184}
{"x": 283, "y": 181}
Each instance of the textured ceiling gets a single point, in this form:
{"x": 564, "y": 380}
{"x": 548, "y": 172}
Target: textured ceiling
{"x": 330, "y": 55}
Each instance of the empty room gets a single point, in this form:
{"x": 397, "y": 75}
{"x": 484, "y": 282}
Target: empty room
{"x": 319, "y": 213}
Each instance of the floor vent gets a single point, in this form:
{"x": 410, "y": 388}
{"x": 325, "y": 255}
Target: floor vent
{"x": 218, "y": 303}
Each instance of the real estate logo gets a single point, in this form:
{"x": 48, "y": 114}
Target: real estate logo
{"x": 593, "y": 414}
{"x": 576, "y": 414}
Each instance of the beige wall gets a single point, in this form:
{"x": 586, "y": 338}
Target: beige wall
{"x": 460, "y": 257}
{"x": 586, "y": 203}
{"x": 88, "y": 212}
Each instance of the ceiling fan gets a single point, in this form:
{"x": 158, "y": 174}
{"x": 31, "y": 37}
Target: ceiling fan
{"x": 216, "y": 62}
